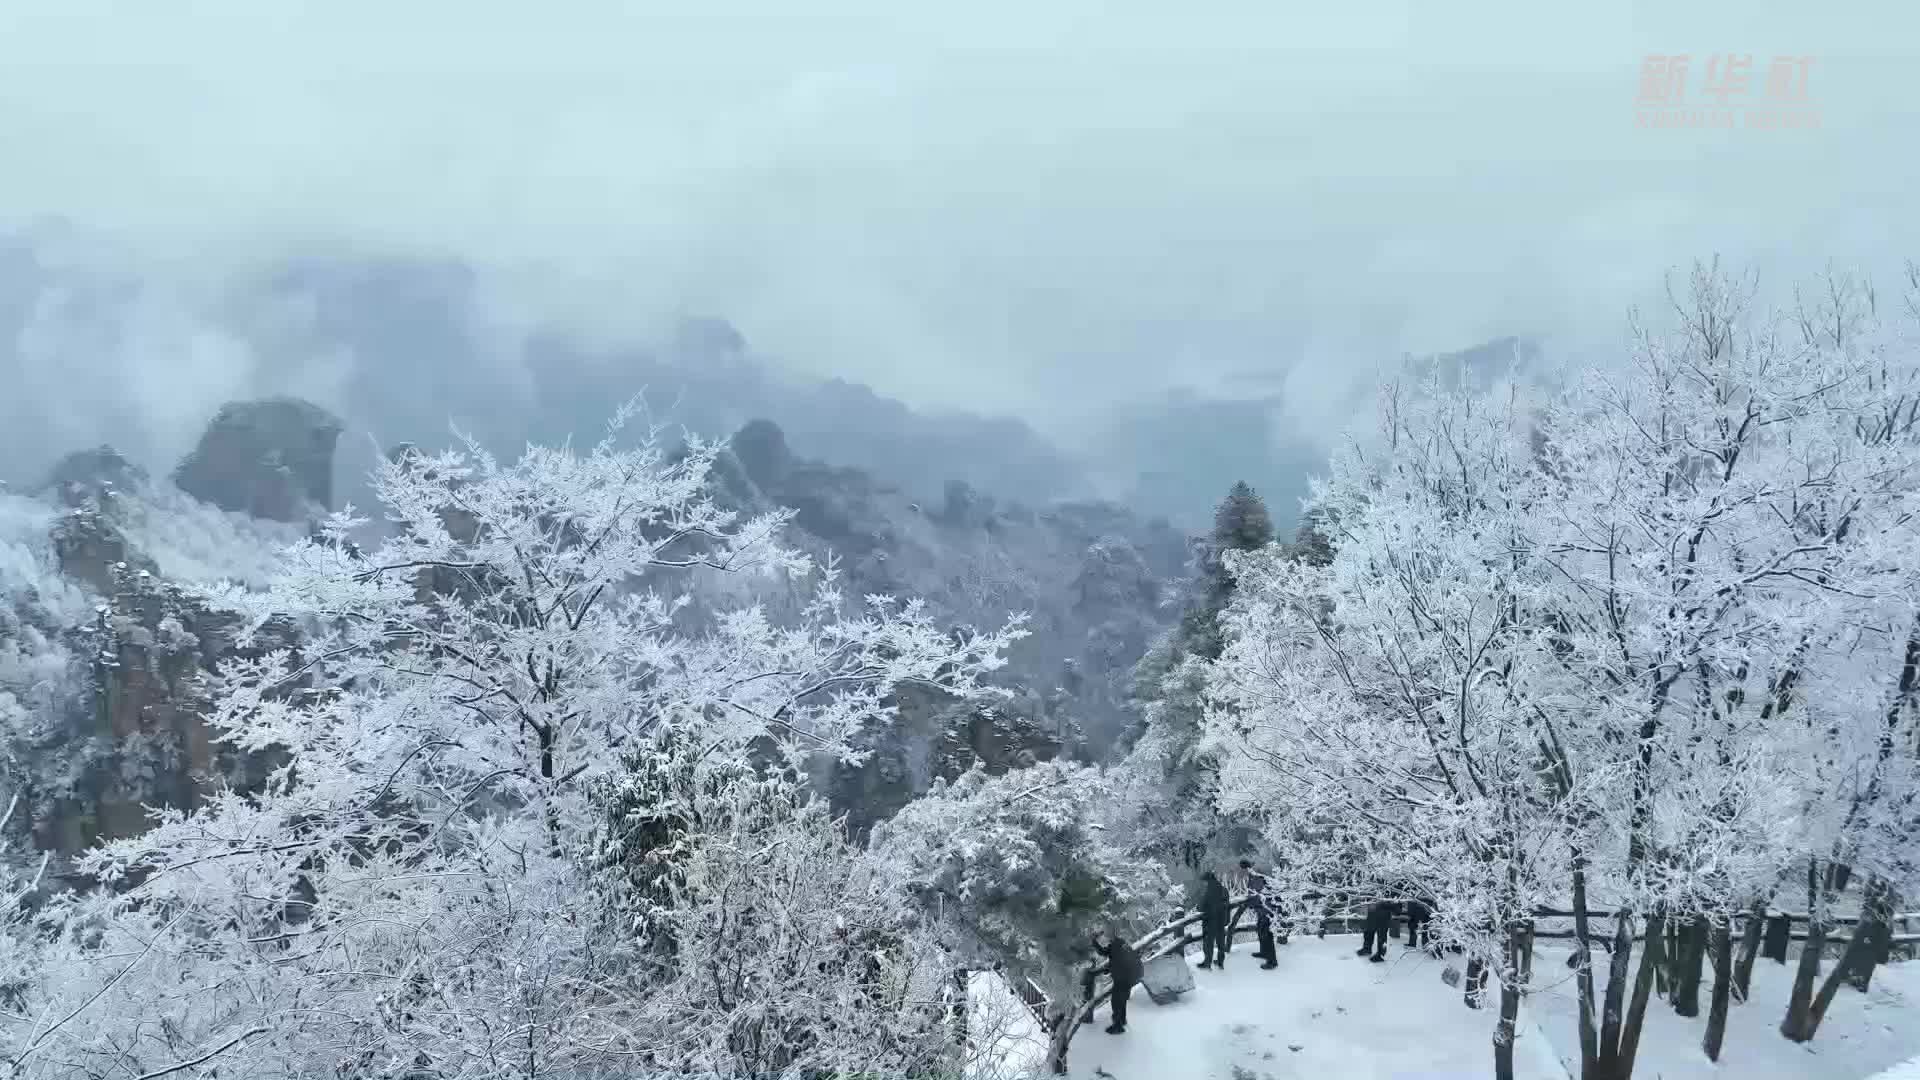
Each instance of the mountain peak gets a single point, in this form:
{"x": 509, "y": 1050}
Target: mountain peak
{"x": 270, "y": 458}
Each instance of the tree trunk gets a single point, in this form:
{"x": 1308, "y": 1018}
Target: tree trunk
{"x": 1722, "y": 988}
{"x": 1642, "y": 990}
{"x": 1876, "y": 923}
{"x": 1526, "y": 956}
{"x": 1476, "y": 983}
{"x": 1663, "y": 971}
{"x": 1805, "y": 1012}
{"x": 1583, "y": 975}
{"x": 1676, "y": 954}
{"x": 1877, "y": 951}
{"x": 1808, "y": 1019}
{"x": 1057, "y": 1046}
{"x": 1513, "y": 980}
{"x": 1749, "y": 951}
{"x": 1799, "y": 1022}
{"x": 1065, "y": 1026}
{"x": 1614, "y": 1012}
{"x": 1688, "y": 966}
{"x": 1504, "y": 1033}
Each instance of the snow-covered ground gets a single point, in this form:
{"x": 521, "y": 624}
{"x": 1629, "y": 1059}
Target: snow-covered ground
{"x": 1325, "y": 1012}
{"x": 1909, "y": 1070}
{"x": 1860, "y": 1036}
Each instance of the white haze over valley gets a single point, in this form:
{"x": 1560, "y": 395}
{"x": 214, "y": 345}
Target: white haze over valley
{"x": 1050, "y": 211}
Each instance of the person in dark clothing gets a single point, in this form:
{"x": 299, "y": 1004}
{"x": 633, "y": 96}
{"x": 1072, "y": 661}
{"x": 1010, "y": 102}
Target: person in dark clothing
{"x": 1419, "y": 916}
{"x": 1213, "y": 921}
{"x": 1262, "y": 915}
{"x": 1379, "y": 923}
{"x": 1125, "y": 969}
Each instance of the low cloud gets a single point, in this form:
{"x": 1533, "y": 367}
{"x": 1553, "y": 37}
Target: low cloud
{"x": 1041, "y": 209}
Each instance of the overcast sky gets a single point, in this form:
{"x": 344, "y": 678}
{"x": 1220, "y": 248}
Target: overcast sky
{"x": 1027, "y": 206}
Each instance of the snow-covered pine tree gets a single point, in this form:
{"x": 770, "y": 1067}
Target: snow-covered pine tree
{"x": 1166, "y": 807}
{"x": 1240, "y": 523}
{"x": 1016, "y": 871}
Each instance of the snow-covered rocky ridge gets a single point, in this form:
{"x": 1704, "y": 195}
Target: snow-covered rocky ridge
{"x": 102, "y": 646}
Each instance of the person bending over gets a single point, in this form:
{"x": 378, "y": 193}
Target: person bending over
{"x": 1124, "y": 968}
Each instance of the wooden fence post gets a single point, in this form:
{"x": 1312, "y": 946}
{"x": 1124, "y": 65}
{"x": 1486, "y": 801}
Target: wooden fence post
{"x": 1779, "y": 932}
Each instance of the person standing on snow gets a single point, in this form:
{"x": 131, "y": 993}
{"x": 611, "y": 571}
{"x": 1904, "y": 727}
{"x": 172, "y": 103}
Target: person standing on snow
{"x": 1262, "y": 914}
{"x": 1213, "y": 921}
{"x": 1124, "y": 968}
{"x": 1378, "y": 925}
{"x": 1419, "y": 918}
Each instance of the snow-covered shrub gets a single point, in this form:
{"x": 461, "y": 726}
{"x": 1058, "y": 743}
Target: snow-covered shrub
{"x": 1015, "y": 870}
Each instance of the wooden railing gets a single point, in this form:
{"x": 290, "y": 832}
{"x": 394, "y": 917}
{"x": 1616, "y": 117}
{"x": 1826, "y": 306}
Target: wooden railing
{"x": 1160, "y": 942}
{"x": 1778, "y": 933}
{"x": 1180, "y": 933}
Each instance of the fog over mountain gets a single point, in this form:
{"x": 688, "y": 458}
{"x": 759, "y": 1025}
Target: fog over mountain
{"x": 404, "y": 349}
{"x": 1022, "y": 294}
{"x": 1102, "y": 222}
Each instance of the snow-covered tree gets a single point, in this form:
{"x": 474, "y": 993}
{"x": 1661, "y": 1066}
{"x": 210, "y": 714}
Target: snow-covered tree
{"x": 1240, "y": 523}
{"x": 1727, "y": 533}
{"x": 1852, "y": 674}
{"x": 418, "y": 890}
{"x": 1571, "y": 650}
{"x": 23, "y": 951}
{"x": 1016, "y": 871}
{"x": 1166, "y": 806}
{"x": 1164, "y": 784}
{"x": 751, "y": 936}
{"x": 1362, "y": 711}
